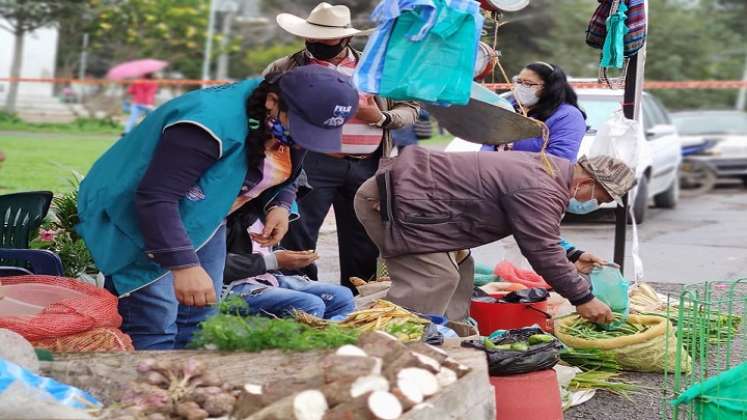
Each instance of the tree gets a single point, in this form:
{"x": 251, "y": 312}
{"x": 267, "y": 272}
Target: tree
{"x": 675, "y": 53}
{"x": 359, "y": 9}
{"x": 122, "y": 30}
{"x": 171, "y": 30}
{"x": 686, "y": 41}
{"x": 524, "y": 36}
{"x": 256, "y": 59}
{"x": 359, "y": 12}
{"x": 24, "y": 16}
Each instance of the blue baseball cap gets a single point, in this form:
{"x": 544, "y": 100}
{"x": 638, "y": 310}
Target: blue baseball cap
{"x": 320, "y": 101}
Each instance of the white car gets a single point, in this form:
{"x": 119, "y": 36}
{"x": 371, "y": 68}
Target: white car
{"x": 658, "y": 176}
{"x": 727, "y": 130}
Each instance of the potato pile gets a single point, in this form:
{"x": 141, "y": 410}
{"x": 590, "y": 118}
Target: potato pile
{"x": 175, "y": 390}
{"x": 380, "y": 378}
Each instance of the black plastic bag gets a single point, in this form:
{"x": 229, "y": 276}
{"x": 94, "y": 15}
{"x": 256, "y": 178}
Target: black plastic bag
{"x": 479, "y": 295}
{"x": 511, "y": 362}
{"x": 532, "y": 295}
{"x": 432, "y": 336}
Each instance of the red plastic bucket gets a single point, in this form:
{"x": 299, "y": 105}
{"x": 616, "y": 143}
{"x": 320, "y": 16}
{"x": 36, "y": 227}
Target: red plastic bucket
{"x": 508, "y": 316}
{"x": 528, "y": 396}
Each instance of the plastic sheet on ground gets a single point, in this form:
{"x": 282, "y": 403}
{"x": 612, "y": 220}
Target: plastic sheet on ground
{"x": 571, "y": 398}
{"x": 22, "y": 393}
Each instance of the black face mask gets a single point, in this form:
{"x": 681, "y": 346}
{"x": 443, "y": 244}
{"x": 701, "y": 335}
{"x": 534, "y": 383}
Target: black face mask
{"x": 323, "y": 51}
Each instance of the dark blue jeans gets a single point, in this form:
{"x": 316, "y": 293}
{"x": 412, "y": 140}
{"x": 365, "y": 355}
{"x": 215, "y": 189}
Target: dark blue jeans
{"x": 323, "y": 300}
{"x": 152, "y": 316}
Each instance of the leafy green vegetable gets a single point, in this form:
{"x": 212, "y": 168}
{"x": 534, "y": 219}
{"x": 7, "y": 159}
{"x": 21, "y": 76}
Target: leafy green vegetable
{"x": 602, "y": 380}
{"x": 231, "y": 332}
{"x": 700, "y": 326}
{"x": 587, "y": 330}
{"x": 233, "y": 305}
{"x": 405, "y": 328}
{"x": 590, "y": 359}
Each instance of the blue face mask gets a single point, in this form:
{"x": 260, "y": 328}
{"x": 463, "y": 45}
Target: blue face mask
{"x": 279, "y": 132}
{"x": 583, "y": 207}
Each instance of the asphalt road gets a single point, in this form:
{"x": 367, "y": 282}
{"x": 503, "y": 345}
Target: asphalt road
{"x": 704, "y": 238}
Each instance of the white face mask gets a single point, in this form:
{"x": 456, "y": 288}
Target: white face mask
{"x": 527, "y": 95}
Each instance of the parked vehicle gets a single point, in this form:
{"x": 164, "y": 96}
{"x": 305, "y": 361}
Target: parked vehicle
{"x": 658, "y": 177}
{"x": 697, "y": 173}
{"x": 726, "y": 134}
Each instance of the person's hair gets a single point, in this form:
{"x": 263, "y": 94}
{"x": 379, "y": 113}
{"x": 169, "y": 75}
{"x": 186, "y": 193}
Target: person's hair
{"x": 256, "y": 114}
{"x": 555, "y": 92}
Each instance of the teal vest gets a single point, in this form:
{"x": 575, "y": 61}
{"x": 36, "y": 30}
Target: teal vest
{"x": 106, "y": 200}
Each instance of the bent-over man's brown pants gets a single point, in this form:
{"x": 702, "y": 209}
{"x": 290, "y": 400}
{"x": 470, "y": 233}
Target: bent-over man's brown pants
{"x": 437, "y": 283}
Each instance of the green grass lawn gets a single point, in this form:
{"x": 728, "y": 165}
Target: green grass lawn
{"x": 46, "y": 161}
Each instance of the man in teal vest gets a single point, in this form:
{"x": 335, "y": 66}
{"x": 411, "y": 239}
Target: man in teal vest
{"x": 152, "y": 207}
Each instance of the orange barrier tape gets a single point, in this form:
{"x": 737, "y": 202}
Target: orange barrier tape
{"x": 161, "y": 82}
{"x": 653, "y": 84}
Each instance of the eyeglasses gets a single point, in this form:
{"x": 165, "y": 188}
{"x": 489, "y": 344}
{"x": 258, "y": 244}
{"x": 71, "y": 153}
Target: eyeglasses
{"x": 521, "y": 82}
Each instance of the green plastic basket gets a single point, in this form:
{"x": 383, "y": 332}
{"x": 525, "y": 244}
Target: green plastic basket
{"x": 710, "y": 326}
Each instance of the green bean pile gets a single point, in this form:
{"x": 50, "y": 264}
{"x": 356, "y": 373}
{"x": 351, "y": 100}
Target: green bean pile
{"x": 591, "y": 359}
{"x": 582, "y": 328}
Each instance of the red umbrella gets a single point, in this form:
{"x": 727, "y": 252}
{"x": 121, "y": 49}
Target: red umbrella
{"x": 135, "y": 69}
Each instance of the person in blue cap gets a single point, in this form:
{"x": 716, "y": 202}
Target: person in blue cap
{"x": 152, "y": 208}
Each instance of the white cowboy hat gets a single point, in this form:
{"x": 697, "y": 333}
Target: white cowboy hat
{"x": 324, "y": 22}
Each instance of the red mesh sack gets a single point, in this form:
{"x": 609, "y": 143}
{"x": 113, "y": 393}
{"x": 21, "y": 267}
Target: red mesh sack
{"x": 508, "y": 272}
{"x": 92, "y": 308}
{"x": 99, "y": 339}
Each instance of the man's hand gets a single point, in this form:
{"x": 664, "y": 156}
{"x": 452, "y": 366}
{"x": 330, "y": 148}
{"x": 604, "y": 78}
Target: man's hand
{"x": 595, "y": 311}
{"x": 194, "y": 287}
{"x": 276, "y": 226}
{"x": 368, "y": 111}
{"x": 587, "y": 262}
{"x": 293, "y": 260}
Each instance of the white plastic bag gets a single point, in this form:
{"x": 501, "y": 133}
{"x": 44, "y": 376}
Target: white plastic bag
{"x": 623, "y": 139}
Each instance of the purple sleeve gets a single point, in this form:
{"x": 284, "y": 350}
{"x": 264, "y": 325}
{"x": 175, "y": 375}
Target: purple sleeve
{"x": 286, "y": 196}
{"x": 567, "y": 129}
{"x": 534, "y": 217}
{"x": 184, "y": 153}
{"x": 566, "y": 134}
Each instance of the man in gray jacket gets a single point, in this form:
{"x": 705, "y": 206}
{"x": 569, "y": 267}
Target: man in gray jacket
{"x": 427, "y": 205}
{"x": 335, "y": 178}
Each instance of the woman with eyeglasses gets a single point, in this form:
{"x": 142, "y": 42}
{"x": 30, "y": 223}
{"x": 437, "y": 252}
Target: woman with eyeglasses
{"x": 542, "y": 89}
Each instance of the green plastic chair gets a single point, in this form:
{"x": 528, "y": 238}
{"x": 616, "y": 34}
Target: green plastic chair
{"x": 21, "y": 214}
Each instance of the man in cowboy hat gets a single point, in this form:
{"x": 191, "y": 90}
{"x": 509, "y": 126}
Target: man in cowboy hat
{"x": 427, "y": 205}
{"x": 335, "y": 178}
